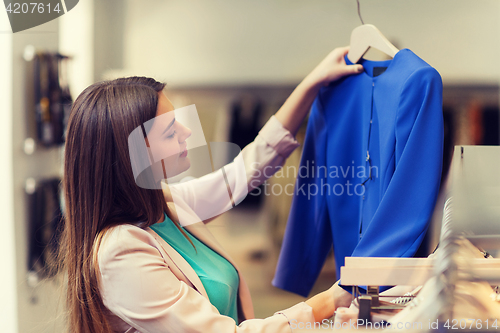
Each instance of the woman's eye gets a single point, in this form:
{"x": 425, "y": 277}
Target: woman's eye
{"x": 171, "y": 135}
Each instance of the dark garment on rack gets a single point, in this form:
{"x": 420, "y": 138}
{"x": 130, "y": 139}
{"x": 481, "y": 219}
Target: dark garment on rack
{"x": 45, "y": 227}
{"x": 491, "y": 123}
{"x": 53, "y": 99}
{"x": 449, "y": 116}
{"x": 245, "y": 125}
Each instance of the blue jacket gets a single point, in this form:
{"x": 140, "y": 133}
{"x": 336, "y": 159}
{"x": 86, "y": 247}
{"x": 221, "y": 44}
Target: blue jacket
{"x": 392, "y": 112}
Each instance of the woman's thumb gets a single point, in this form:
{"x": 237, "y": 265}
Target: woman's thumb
{"x": 355, "y": 69}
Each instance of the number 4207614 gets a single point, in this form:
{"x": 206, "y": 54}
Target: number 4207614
{"x": 32, "y": 7}
{"x": 471, "y": 324}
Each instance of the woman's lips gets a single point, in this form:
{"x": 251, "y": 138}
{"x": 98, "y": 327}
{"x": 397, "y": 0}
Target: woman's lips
{"x": 184, "y": 153}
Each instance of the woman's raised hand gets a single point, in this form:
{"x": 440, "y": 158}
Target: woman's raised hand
{"x": 333, "y": 67}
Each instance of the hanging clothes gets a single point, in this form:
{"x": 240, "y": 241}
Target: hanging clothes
{"x": 44, "y": 227}
{"x": 52, "y": 97}
{"x": 371, "y": 169}
{"x": 246, "y": 112}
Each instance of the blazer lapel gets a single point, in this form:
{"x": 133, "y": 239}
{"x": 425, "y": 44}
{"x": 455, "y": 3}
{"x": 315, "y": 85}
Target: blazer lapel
{"x": 200, "y": 231}
{"x": 181, "y": 264}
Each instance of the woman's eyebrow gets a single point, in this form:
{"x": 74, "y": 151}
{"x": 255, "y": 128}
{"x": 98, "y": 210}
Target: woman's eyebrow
{"x": 166, "y": 129}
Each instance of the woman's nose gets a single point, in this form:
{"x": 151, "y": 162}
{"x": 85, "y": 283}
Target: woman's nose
{"x": 185, "y": 133}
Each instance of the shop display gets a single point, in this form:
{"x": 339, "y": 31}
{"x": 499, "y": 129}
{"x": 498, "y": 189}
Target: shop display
{"x": 461, "y": 292}
{"x": 52, "y": 97}
{"x": 45, "y": 222}
{"x": 372, "y": 193}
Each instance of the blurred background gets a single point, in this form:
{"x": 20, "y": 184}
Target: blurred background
{"x": 237, "y": 61}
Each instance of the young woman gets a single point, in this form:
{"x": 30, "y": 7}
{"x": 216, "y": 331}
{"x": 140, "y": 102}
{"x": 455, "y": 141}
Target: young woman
{"x": 131, "y": 266}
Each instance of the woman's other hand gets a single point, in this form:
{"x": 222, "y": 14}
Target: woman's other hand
{"x": 333, "y": 67}
{"x": 340, "y": 296}
{"x": 325, "y": 303}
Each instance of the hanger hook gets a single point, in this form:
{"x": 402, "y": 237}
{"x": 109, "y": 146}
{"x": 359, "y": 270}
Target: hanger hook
{"x": 359, "y": 13}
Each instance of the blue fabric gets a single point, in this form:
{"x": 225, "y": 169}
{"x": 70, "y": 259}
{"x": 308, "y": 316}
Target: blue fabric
{"x": 389, "y": 215}
{"x": 218, "y": 276}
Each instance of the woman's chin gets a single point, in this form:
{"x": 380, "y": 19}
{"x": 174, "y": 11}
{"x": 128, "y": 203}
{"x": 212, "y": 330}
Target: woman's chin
{"x": 182, "y": 166}
{"x": 186, "y": 163}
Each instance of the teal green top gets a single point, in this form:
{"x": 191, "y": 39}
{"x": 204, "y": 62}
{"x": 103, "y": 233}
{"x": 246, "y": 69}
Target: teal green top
{"x": 218, "y": 276}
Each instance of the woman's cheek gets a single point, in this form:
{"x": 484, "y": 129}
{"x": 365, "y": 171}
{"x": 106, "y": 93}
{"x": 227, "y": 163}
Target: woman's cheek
{"x": 172, "y": 150}
{"x": 164, "y": 150}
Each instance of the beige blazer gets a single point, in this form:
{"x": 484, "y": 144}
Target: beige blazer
{"x": 147, "y": 286}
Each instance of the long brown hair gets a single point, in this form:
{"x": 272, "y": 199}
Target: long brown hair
{"x": 99, "y": 186}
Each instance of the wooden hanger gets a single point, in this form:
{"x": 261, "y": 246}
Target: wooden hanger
{"x": 366, "y": 36}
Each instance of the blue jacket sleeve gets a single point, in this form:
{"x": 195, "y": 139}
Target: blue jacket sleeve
{"x": 308, "y": 237}
{"x": 402, "y": 218}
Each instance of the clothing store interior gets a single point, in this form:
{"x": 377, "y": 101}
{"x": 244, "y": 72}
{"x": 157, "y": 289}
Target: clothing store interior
{"x": 337, "y": 166}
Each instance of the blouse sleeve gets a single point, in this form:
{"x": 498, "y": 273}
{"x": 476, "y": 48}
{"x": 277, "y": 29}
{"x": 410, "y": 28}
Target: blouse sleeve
{"x": 138, "y": 286}
{"x": 210, "y": 195}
